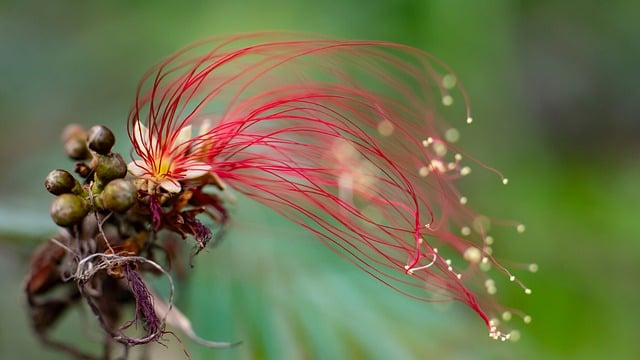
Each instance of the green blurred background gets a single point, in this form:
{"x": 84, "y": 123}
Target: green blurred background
{"x": 554, "y": 90}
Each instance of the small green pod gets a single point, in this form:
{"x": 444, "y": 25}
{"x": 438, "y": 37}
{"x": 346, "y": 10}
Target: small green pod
{"x": 110, "y": 167}
{"x": 119, "y": 195}
{"x": 68, "y": 209}
{"x": 60, "y": 182}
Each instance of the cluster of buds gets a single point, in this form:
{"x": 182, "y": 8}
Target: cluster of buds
{"x": 108, "y": 241}
{"x": 107, "y": 188}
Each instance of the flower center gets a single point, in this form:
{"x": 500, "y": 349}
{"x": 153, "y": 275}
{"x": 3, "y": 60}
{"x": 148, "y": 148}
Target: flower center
{"x": 163, "y": 167}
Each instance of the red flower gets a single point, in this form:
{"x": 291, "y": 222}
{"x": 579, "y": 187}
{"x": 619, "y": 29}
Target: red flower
{"x": 344, "y": 138}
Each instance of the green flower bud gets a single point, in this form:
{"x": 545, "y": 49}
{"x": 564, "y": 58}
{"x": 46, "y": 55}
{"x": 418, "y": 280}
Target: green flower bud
{"x": 109, "y": 167}
{"x": 119, "y": 195}
{"x": 100, "y": 139}
{"x": 60, "y": 182}
{"x": 68, "y": 209}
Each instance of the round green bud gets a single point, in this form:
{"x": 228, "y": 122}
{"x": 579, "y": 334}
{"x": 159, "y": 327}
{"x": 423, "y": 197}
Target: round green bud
{"x": 68, "y": 209}
{"x": 119, "y": 195}
{"x": 100, "y": 139}
{"x": 60, "y": 182}
{"x": 109, "y": 167}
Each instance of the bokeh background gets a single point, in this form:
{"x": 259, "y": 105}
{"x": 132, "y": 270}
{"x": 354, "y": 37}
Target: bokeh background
{"x": 554, "y": 90}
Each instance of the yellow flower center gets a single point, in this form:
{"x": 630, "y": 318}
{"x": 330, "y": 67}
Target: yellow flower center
{"x": 163, "y": 167}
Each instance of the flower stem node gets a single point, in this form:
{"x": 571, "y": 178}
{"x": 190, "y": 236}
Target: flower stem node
{"x": 100, "y": 139}
{"x": 61, "y": 182}
{"x": 119, "y": 195}
{"x": 69, "y": 209}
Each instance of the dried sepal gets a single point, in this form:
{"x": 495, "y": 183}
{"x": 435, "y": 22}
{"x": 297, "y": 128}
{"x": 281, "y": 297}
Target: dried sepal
{"x": 44, "y": 268}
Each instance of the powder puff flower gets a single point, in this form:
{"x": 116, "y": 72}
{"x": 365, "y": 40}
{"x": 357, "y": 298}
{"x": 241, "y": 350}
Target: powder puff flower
{"x": 345, "y": 138}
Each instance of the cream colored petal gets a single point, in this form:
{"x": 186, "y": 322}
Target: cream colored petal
{"x": 170, "y": 185}
{"x": 137, "y": 168}
{"x": 205, "y": 126}
{"x": 184, "y": 135}
{"x": 195, "y": 173}
{"x": 200, "y": 146}
{"x": 141, "y": 134}
{"x": 196, "y": 168}
{"x": 140, "y": 130}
